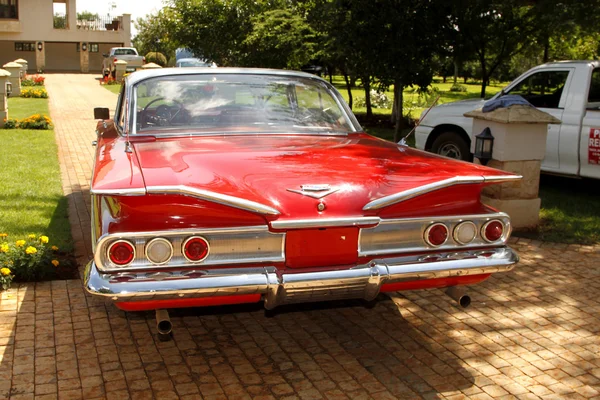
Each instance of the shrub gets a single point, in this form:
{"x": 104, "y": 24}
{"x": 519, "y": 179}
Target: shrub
{"x": 36, "y": 121}
{"x": 156, "y": 58}
{"x": 34, "y": 93}
{"x": 458, "y": 88}
{"x": 109, "y": 80}
{"x": 10, "y": 123}
{"x": 33, "y": 80}
{"x": 27, "y": 259}
{"x": 378, "y": 100}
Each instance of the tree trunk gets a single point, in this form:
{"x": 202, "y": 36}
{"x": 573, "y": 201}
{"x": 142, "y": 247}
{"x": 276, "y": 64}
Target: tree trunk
{"x": 330, "y": 70}
{"x": 455, "y": 71}
{"x": 484, "y": 74}
{"x": 349, "y": 88}
{"x": 367, "y": 85}
{"x": 398, "y": 109}
{"x": 546, "y": 48}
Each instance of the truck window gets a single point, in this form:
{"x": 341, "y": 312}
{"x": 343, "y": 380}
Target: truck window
{"x": 542, "y": 89}
{"x": 594, "y": 94}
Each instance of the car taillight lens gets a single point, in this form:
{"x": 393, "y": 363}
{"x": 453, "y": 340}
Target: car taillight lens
{"x": 115, "y": 60}
{"x": 196, "y": 249}
{"x": 492, "y": 230}
{"x": 436, "y": 234}
{"x": 159, "y": 251}
{"x": 121, "y": 252}
{"x": 465, "y": 232}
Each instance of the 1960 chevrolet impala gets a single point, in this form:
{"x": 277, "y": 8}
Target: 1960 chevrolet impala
{"x": 225, "y": 186}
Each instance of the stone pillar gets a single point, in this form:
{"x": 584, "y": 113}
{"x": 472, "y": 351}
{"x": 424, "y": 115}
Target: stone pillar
{"x": 120, "y": 67}
{"x": 151, "y": 66}
{"x": 40, "y": 56}
{"x": 84, "y": 57}
{"x": 15, "y": 77}
{"x": 519, "y": 146}
{"x": 4, "y": 75}
{"x": 24, "y": 66}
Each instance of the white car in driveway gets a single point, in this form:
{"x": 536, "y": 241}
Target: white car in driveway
{"x": 568, "y": 90}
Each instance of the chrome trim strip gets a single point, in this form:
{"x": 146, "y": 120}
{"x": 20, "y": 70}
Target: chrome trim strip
{"x": 214, "y": 197}
{"x": 239, "y": 245}
{"x": 420, "y": 190}
{"x": 362, "y": 281}
{"x": 407, "y": 235}
{"x": 119, "y": 192}
{"x": 324, "y": 222}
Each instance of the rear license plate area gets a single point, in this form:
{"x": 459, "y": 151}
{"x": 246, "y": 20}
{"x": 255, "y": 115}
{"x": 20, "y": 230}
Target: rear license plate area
{"x": 306, "y": 248}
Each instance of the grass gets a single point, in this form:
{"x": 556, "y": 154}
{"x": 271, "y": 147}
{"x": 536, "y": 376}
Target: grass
{"x": 569, "y": 212}
{"x": 31, "y": 198}
{"x": 112, "y": 88}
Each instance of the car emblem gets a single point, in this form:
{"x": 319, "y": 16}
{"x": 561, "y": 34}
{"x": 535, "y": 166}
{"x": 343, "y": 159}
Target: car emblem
{"x": 315, "y": 191}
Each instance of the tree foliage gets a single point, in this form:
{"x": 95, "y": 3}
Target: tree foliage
{"x": 155, "y": 33}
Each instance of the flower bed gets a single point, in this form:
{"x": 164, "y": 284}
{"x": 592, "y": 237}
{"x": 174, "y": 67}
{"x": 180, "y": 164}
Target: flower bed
{"x": 34, "y": 93}
{"x": 36, "y": 121}
{"x": 33, "y": 80}
{"x": 30, "y": 259}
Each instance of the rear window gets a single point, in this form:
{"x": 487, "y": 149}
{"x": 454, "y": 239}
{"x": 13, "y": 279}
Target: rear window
{"x": 125, "y": 52}
{"x": 594, "y": 94}
{"x": 238, "y": 103}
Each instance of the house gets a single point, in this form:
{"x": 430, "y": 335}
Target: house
{"x": 52, "y": 40}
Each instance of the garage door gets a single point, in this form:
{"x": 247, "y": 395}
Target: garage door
{"x": 62, "y": 57}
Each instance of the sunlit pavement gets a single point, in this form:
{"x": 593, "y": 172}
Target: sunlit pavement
{"x": 531, "y": 333}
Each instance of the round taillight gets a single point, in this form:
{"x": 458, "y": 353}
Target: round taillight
{"x": 464, "y": 232}
{"x": 196, "y": 249}
{"x": 159, "y": 251}
{"x": 121, "y": 252}
{"x": 492, "y": 230}
{"x": 436, "y": 234}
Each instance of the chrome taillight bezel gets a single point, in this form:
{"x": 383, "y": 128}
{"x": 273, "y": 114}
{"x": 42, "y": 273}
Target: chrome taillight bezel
{"x": 484, "y": 227}
{"x": 186, "y": 241}
{"x": 428, "y": 231}
{"x": 113, "y": 244}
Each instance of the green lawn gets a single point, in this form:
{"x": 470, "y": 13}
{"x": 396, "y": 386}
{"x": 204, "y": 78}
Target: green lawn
{"x": 31, "y": 198}
{"x": 570, "y": 211}
{"x": 112, "y": 88}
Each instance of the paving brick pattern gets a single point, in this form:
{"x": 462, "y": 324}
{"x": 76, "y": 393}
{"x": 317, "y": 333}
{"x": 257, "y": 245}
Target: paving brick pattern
{"x": 532, "y": 333}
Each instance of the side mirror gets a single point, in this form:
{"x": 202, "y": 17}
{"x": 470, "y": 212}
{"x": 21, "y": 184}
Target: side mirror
{"x": 104, "y": 55}
{"x": 101, "y": 113}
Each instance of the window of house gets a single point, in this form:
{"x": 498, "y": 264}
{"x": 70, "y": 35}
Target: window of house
{"x": 24, "y": 46}
{"x": 9, "y": 9}
{"x": 543, "y": 89}
{"x": 94, "y": 48}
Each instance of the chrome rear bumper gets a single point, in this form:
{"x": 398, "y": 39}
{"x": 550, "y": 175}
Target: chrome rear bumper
{"x": 360, "y": 282}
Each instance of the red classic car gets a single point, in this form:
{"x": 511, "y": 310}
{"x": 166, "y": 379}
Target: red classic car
{"x": 225, "y": 186}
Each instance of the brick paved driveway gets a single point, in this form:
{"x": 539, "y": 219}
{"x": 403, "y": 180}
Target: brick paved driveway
{"x": 532, "y": 333}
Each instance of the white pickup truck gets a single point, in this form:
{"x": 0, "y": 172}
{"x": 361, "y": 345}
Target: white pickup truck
{"x": 129, "y": 54}
{"x": 568, "y": 90}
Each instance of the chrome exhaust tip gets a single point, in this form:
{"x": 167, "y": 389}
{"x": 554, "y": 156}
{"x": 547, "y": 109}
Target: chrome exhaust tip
{"x": 163, "y": 322}
{"x": 459, "y": 295}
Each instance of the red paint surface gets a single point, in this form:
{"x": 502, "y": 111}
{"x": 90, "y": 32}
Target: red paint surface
{"x": 321, "y": 247}
{"x": 261, "y": 168}
{"x": 594, "y": 146}
{"x": 434, "y": 283}
{"x": 193, "y": 302}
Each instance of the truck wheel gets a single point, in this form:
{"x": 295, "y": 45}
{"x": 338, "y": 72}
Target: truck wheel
{"x": 114, "y": 74}
{"x": 451, "y": 144}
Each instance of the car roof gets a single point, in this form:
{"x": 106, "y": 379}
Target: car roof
{"x": 142, "y": 75}
{"x": 191, "y": 59}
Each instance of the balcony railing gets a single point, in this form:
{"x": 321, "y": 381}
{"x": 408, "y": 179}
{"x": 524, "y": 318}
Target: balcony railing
{"x": 101, "y": 23}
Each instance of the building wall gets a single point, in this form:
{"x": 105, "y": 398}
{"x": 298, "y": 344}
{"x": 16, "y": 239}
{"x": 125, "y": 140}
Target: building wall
{"x": 8, "y": 53}
{"x": 36, "y": 24}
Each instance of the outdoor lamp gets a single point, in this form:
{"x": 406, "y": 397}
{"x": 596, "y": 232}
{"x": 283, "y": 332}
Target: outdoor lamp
{"x": 84, "y": 46}
{"x": 484, "y": 146}
{"x": 40, "y": 46}
{"x": 8, "y": 88}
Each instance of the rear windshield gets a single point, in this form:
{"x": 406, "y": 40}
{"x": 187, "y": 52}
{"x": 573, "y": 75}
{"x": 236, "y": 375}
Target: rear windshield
{"x": 238, "y": 103}
{"x": 193, "y": 63}
{"x": 125, "y": 52}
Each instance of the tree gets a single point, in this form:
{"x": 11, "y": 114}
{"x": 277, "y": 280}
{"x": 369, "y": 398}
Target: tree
{"x": 87, "y": 16}
{"x": 155, "y": 33}
{"x": 280, "y": 38}
{"x": 495, "y": 30}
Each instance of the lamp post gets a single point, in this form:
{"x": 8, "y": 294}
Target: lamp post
{"x": 484, "y": 146}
